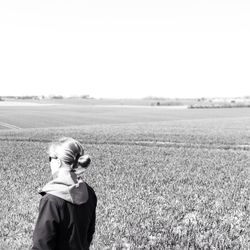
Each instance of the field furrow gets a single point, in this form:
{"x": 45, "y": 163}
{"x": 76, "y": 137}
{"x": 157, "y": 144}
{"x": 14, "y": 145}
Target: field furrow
{"x": 164, "y": 144}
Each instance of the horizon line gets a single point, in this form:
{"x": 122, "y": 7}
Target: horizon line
{"x": 51, "y": 96}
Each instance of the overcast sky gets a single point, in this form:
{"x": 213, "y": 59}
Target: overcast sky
{"x": 132, "y": 48}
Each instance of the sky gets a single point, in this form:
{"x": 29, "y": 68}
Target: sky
{"x": 125, "y": 49}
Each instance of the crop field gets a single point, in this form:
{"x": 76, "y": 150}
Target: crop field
{"x": 64, "y": 114}
{"x": 165, "y": 179}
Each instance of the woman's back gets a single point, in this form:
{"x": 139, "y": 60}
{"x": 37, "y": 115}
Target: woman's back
{"x": 64, "y": 225}
{"x": 66, "y": 219}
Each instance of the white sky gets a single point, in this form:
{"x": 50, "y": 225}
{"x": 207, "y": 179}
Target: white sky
{"x": 132, "y": 48}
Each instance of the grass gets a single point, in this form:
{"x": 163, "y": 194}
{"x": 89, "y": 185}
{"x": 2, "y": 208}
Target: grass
{"x": 66, "y": 115}
{"x": 160, "y": 185}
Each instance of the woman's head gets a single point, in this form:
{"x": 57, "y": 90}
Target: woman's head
{"x": 68, "y": 152}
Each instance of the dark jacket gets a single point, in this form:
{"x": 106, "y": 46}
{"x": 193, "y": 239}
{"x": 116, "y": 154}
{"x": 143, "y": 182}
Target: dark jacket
{"x": 63, "y": 225}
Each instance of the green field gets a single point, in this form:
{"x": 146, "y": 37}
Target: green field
{"x": 165, "y": 179}
{"x": 72, "y": 114}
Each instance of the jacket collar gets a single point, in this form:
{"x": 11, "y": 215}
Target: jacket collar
{"x": 67, "y": 186}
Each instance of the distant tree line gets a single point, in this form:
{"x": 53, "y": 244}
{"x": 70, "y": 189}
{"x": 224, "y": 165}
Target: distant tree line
{"x": 169, "y": 103}
{"x": 35, "y": 97}
{"x": 222, "y": 105}
{"x": 26, "y": 97}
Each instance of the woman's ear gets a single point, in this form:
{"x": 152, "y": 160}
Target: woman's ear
{"x": 58, "y": 163}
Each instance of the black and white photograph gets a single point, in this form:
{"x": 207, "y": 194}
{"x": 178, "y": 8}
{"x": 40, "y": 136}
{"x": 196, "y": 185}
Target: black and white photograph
{"x": 124, "y": 125}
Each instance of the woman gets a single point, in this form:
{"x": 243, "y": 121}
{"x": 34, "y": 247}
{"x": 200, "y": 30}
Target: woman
{"x": 66, "y": 217}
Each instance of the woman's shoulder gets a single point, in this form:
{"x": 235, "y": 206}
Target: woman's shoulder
{"x": 52, "y": 200}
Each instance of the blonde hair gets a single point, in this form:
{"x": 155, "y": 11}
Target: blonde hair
{"x": 70, "y": 151}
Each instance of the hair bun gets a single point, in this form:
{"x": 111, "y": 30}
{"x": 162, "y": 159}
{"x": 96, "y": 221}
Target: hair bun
{"x": 84, "y": 161}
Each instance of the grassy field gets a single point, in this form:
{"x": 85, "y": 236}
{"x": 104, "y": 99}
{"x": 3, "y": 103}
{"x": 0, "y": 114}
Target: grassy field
{"x": 72, "y": 114}
{"x": 180, "y": 181}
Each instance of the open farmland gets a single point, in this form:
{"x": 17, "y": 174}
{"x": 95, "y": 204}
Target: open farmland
{"x": 61, "y": 114}
{"x": 165, "y": 179}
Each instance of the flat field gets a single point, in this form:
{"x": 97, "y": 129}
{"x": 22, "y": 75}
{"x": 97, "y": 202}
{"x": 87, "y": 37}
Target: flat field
{"x": 165, "y": 179}
{"x": 63, "y": 114}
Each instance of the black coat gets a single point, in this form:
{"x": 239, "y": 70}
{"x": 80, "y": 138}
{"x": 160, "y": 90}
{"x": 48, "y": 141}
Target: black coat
{"x": 62, "y": 225}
